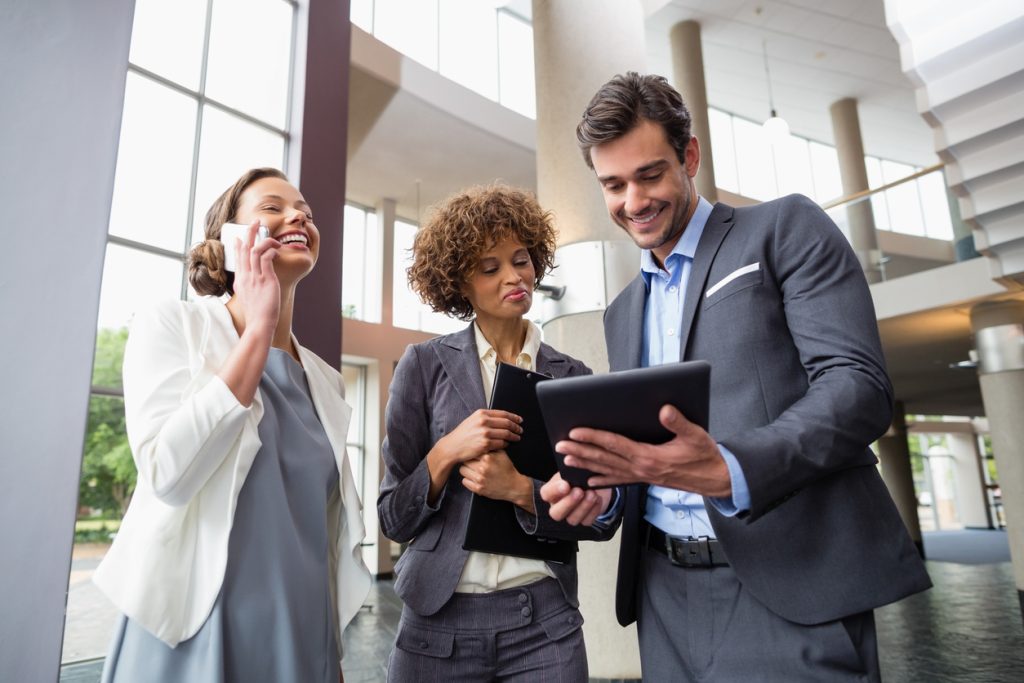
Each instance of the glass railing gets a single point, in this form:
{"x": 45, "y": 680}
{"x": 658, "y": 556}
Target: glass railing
{"x": 916, "y": 205}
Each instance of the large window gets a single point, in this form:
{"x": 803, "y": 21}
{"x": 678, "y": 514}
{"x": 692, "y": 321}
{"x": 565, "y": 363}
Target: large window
{"x": 747, "y": 164}
{"x": 477, "y": 43}
{"x": 206, "y": 98}
{"x": 361, "y": 265}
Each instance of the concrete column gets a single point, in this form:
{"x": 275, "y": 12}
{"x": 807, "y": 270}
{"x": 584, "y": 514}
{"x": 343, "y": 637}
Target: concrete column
{"x": 688, "y": 78}
{"x": 854, "y": 174}
{"x": 894, "y": 455}
{"x": 999, "y": 338}
{"x": 971, "y": 501}
{"x": 579, "y": 45}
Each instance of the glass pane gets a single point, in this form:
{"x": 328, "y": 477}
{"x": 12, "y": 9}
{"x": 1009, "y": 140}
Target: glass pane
{"x": 154, "y": 165}
{"x": 935, "y": 204}
{"x": 229, "y": 146}
{"x": 132, "y": 280}
{"x": 515, "y": 65}
{"x": 724, "y": 150}
{"x": 353, "y": 376}
{"x": 879, "y": 205}
{"x": 409, "y": 26}
{"x": 106, "y": 485}
{"x": 754, "y": 161}
{"x": 250, "y": 57}
{"x": 109, "y": 357}
{"x": 408, "y": 311}
{"x": 361, "y": 14}
{"x": 468, "y": 34}
{"x": 904, "y": 203}
{"x": 793, "y": 166}
{"x": 825, "y": 169}
{"x": 167, "y": 39}
{"x": 361, "y": 280}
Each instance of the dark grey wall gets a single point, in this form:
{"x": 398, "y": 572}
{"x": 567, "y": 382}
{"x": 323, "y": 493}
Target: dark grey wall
{"x": 62, "y": 82}
{"x": 324, "y": 142}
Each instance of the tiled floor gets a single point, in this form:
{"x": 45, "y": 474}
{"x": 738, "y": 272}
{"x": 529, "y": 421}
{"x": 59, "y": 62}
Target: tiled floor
{"x": 967, "y": 629}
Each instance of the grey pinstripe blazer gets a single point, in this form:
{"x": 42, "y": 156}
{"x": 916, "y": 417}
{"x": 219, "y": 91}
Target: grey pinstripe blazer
{"x": 436, "y": 386}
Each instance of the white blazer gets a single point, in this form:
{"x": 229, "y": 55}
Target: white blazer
{"x": 193, "y": 444}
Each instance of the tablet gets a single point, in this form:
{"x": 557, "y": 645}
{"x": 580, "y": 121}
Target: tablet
{"x": 625, "y": 402}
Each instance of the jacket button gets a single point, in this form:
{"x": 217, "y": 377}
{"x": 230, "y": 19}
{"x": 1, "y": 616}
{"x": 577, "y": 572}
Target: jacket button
{"x": 522, "y": 598}
{"x": 424, "y": 645}
{"x": 526, "y": 611}
{"x": 571, "y": 621}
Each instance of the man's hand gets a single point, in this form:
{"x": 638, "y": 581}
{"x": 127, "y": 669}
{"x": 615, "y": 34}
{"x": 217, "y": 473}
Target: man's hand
{"x": 691, "y": 461}
{"x": 574, "y": 505}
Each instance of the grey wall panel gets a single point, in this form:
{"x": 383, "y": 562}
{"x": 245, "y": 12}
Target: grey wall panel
{"x": 63, "y": 75}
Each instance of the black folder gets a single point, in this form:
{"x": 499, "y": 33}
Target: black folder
{"x": 625, "y": 402}
{"x": 493, "y": 526}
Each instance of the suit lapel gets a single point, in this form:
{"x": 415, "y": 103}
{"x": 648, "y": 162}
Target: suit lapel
{"x": 549, "y": 365}
{"x": 625, "y": 329}
{"x": 458, "y": 355}
{"x": 718, "y": 226}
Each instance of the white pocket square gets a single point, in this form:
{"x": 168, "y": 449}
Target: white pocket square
{"x": 752, "y": 268}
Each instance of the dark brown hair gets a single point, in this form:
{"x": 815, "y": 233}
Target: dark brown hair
{"x": 206, "y": 271}
{"x": 623, "y": 102}
{"x": 448, "y": 247}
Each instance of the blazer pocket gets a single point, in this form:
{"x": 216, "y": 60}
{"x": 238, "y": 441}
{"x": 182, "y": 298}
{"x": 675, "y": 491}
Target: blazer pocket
{"x": 736, "y": 281}
{"x": 422, "y": 641}
{"x": 428, "y": 539}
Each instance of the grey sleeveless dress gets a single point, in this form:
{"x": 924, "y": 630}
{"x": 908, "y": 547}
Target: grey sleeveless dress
{"x": 272, "y": 620}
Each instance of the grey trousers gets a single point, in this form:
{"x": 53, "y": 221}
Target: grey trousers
{"x": 700, "y": 625}
{"x": 528, "y": 634}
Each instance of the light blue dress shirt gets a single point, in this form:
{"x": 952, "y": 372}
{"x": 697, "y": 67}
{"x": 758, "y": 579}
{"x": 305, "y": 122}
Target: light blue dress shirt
{"x": 680, "y": 513}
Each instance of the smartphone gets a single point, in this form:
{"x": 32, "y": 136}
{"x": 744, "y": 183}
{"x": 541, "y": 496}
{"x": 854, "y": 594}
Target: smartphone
{"x": 228, "y": 233}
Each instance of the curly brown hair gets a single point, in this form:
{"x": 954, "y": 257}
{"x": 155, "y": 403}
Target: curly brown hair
{"x": 447, "y": 249}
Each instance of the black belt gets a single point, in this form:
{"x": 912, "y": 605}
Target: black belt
{"x": 687, "y": 552}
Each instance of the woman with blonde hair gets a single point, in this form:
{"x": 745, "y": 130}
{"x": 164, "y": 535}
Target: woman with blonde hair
{"x": 239, "y": 556}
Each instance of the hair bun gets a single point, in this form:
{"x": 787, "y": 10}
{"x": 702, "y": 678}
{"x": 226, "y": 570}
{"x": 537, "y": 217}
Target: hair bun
{"x": 206, "y": 271}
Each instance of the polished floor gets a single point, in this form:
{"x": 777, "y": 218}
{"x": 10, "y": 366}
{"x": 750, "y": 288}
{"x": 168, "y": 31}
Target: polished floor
{"x": 967, "y": 629}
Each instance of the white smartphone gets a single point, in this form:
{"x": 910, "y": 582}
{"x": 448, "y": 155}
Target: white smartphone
{"x": 228, "y": 233}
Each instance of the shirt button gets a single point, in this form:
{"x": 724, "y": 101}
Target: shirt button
{"x": 680, "y": 514}
{"x": 670, "y": 332}
{"x": 672, "y": 288}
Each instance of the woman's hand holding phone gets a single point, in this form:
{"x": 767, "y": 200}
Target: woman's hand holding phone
{"x": 256, "y": 284}
{"x": 255, "y": 308}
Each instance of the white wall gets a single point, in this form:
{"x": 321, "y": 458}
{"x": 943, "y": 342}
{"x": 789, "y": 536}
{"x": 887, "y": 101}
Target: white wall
{"x": 64, "y": 65}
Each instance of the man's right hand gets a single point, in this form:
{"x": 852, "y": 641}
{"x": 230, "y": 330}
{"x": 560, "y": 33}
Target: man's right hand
{"x": 575, "y": 506}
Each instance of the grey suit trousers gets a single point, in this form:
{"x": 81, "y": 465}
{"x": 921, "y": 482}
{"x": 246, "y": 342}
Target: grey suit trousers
{"x": 529, "y": 634}
{"x": 699, "y": 624}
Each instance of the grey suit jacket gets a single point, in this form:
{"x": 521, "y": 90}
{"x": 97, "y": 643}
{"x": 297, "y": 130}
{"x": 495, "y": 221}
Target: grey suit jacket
{"x": 436, "y": 386}
{"x": 798, "y": 392}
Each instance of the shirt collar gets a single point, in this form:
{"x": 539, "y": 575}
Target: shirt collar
{"x": 687, "y": 244}
{"x": 530, "y": 347}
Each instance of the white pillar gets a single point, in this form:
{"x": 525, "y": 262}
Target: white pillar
{"x": 578, "y": 46}
{"x": 971, "y": 502}
{"x": 999, "y": 337}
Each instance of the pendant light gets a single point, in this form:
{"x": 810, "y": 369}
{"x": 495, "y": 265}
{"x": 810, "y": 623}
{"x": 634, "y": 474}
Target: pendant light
{"x": 775, "y": 127}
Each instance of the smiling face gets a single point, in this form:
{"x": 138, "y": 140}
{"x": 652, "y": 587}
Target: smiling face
{"x": 648, "y": 192}
{"x": 277, "y": 204}
{"x": 501, "y": 285}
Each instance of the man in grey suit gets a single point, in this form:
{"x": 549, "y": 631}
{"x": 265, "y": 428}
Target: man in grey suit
{"x": 757, "y": 550}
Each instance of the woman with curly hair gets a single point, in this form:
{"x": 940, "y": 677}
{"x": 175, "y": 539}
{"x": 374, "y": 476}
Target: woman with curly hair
{"x": 468, "y": 615}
